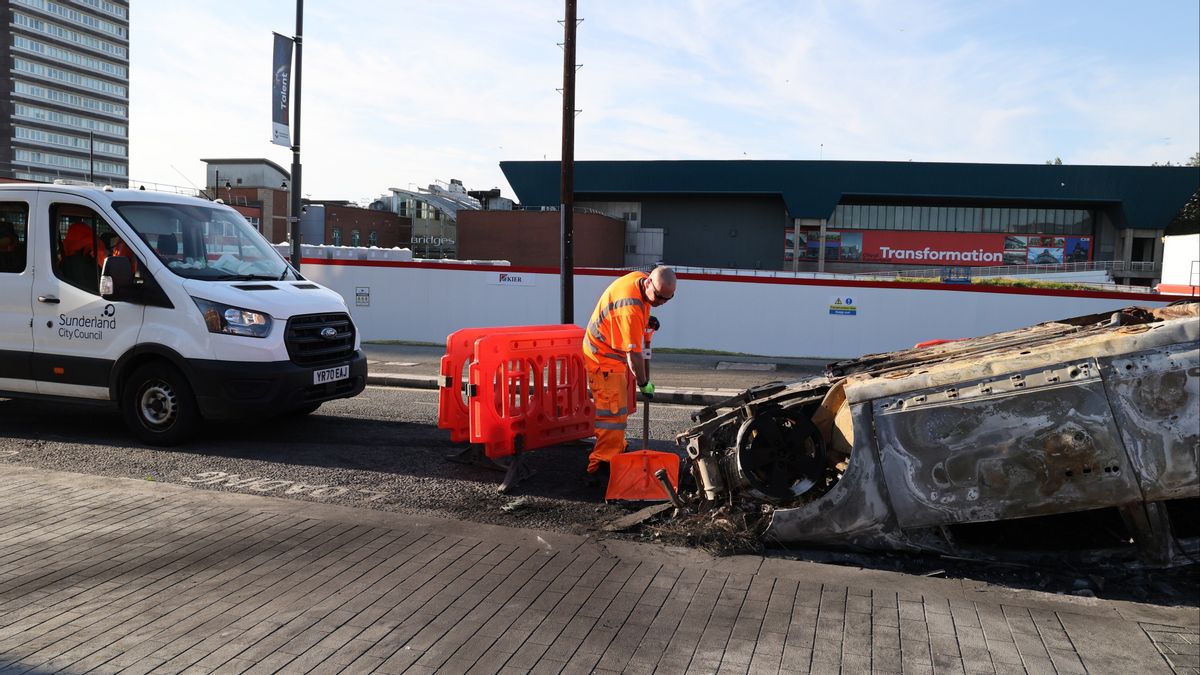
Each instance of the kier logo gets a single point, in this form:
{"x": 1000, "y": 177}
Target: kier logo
{"x": 511, "y": 279}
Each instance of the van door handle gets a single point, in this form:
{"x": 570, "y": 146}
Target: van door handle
{"x": 49, "y": 299}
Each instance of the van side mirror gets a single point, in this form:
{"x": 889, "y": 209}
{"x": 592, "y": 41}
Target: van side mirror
{"x": 116, "y": 280}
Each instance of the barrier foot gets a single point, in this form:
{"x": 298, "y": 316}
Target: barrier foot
{"x": 473, "y": 455}
{"x": 517, "y": 469}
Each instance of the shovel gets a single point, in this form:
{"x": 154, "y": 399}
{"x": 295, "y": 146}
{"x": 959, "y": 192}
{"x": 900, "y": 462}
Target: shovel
{"x": 632, "y": 475}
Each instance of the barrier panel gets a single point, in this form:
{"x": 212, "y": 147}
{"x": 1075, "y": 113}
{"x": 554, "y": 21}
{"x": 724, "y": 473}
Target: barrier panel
{"x": 529, "y": 390}
{"x": 631, "y": 476}
{"x": 452, "y": 390}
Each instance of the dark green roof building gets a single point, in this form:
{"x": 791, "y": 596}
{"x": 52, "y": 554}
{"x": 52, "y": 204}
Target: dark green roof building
{"x": 866, "y": 216}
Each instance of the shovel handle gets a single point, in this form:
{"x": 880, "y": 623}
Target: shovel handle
{"x": 646, "y": 413}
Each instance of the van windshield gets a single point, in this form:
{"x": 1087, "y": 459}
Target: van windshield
{"x": 199, "y": 241}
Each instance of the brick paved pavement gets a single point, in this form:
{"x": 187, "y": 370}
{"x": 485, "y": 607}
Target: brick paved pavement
{"x": 112, "y": 575}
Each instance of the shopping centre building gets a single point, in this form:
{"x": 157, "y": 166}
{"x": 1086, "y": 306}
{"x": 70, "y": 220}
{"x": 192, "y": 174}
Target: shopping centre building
{"x": 870, "y": 216}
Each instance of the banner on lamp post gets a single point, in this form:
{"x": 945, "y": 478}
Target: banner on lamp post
{"x": 281, "y": 81}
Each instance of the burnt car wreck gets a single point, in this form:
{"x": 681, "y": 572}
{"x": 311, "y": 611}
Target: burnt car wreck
{"x": 954, "y": 447}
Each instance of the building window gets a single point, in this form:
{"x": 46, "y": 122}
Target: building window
{"x": 68, "y": 99}
{"x": 373, "y": 238}
{"x": 67, "y": 56}
{"x": 66, "y": 141}
{"x": 62, "y": 161}
{"x": 64, "y": 119}
{"x": 336, "y": 237}
{"x": 1143, "y": 249}
{"x": 75, "y": 37}
{"x": 355, "y": 238}
{"x": 77, "y": 17}
{"x": 68, "y": 77}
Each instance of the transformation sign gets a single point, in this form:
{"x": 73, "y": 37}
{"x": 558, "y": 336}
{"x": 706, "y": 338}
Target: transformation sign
{"x": 945, "y": 248}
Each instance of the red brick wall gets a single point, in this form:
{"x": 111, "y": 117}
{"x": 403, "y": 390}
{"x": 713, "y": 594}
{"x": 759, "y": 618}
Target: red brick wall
{"x": 393, "y": 230}
{"x": 532, "y": 238}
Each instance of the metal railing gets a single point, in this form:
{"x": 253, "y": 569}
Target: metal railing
{"x": 1019, "y": 270}
{"x": 164, "y": 187}
{"x": 554, "y": 209}
{"x": 892, "y": 276}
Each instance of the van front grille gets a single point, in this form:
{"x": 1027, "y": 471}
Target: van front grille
{"x": 308, "y": 341}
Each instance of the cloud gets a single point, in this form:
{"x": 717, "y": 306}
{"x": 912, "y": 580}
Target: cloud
{"x": 421, "y": 91}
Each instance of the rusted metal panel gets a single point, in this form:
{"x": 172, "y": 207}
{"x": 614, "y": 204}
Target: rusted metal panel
{"x": 1034, "y": 443}
{"x": 1155, "y": 397}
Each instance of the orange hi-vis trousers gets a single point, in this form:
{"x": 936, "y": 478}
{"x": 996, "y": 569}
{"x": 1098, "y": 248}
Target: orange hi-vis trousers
{"x": 610, "y": 393}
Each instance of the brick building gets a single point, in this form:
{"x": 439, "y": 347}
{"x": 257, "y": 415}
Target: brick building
{"x": 532, "y": 238}
{"x": 340, "y": 223}
{"x": 248, "y": 184}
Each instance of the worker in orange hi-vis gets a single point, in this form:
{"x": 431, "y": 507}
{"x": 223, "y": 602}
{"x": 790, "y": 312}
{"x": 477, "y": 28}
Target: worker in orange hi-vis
{"x": 612, "y": 350}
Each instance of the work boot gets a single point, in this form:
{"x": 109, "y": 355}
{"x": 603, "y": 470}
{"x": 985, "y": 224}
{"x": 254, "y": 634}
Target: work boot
{"x": 599, "y": 477}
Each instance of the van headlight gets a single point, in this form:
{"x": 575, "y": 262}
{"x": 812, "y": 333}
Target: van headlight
{"x": 233, "y": 320}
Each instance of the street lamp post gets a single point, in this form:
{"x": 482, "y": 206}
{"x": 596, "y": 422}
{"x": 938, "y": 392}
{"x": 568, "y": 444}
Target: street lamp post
{"x": 567, "y": 166}
{"x": 294, "y": 219}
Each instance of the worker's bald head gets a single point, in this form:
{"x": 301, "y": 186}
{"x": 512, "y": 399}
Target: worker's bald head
{"x": 662, "y": 282}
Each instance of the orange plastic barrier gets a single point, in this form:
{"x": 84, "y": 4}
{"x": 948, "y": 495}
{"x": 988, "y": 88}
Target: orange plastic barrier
{"x": 631, "y": 475}
{"x": 452, "y": 391}
{"x": 528, "y": 388}
{"x": 1178, "y": 289}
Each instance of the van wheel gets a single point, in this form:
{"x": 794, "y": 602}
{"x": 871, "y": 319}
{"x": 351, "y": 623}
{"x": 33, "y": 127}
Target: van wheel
{"x": 158, "y": 405}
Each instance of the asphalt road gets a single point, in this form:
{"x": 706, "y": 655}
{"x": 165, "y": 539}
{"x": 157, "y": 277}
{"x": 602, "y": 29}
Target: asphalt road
{"x": 380, "y": 450}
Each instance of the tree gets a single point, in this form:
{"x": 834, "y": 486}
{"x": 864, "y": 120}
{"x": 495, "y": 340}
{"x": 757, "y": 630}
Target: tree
{"x": 1057, "y": 161}
{"x": 1187, "y": 221}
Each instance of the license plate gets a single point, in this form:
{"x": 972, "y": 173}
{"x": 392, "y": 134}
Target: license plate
{"x": 331, "y": 374}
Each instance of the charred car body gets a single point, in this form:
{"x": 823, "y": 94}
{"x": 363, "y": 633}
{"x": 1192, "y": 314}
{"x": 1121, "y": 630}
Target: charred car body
{"x": 910, "y": 450}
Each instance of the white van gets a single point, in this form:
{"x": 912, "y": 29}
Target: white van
{"x": 172, "y": 307}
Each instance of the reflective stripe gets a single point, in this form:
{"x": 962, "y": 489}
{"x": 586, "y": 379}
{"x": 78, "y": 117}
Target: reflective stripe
{"x": 594, "y": 332}
{"x": 620, "y": 412}
{"x": 623, "y": 302}
{"x": 615, "y": 426}
{"x": 587, "y": 344}
{"x": 594, "y": 327}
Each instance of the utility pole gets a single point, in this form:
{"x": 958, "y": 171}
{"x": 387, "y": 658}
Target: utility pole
{"x": 567, "y": 185}
{"x": 294, "y": 220}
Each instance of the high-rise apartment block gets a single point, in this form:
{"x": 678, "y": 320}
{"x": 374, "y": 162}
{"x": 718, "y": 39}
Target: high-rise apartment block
{"x": 64, "y": 70}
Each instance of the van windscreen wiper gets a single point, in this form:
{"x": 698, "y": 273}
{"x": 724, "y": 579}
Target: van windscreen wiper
{"x": 245, "y": 277}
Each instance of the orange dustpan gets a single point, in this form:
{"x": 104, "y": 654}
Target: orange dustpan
{"x": 631, "y": 475}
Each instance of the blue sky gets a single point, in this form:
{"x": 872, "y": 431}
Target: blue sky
{"x": 405, "y": 93}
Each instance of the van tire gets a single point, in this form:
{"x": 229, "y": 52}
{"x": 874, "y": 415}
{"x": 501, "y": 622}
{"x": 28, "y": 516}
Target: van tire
{"x": 158, "y": 405}
{"x": 306, "y": 409}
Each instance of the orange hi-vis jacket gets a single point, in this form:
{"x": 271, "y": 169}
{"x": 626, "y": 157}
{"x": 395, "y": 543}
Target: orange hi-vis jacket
{"x": 618, "y": 324}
